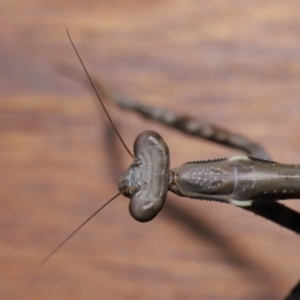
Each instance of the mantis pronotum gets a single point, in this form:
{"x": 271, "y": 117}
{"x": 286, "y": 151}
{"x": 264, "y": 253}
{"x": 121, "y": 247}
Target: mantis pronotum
{"x": 252, "y": 182}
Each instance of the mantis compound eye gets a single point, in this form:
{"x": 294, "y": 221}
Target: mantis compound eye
{"x": 149, "y": 174}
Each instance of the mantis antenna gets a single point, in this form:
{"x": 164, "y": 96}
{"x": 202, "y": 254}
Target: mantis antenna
{"x": 122, "y": 141}
{"x": 79, "y": 227}
{"x": 99, "y": 98}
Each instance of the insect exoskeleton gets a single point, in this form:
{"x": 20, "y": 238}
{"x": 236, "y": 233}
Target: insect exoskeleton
{"x": 148, "y": 176}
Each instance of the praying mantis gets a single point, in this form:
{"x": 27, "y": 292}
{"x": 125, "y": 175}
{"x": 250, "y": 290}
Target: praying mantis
{"x": 252, "y": 182}
{"x": 252, "y": 174}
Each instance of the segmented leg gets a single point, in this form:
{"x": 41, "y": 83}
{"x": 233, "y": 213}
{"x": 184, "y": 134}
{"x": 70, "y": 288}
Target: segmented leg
{"x": 193, "y": 126}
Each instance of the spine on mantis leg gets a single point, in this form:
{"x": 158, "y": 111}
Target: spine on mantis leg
{"x": 239, "y": 180}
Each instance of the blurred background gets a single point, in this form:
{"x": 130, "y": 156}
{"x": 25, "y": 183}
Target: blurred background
{"x": 233, "y": 63}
